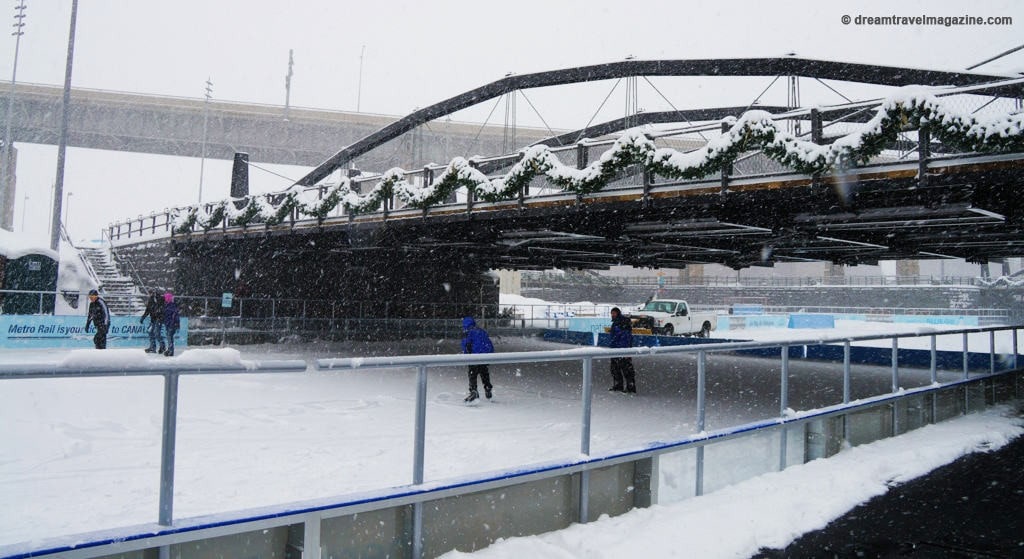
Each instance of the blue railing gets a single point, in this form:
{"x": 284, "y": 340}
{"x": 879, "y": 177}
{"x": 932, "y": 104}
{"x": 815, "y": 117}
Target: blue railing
{"x": 168, "y": 531}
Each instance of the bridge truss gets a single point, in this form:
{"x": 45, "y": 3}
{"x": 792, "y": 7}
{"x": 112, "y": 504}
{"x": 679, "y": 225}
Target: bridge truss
{"x": 905, "y": 177}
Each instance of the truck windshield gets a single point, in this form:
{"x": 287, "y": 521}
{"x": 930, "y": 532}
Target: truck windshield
{"x": 660, "y": 306}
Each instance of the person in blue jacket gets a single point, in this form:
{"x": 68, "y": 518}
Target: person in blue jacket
{"x": 476, "y": 340}
{"x": 622, "y": 367}
{"x": 172, "y": 321}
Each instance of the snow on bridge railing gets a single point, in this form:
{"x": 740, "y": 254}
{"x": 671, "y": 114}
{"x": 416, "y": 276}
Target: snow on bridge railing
{"x": 757, "y": 131}
{"x": 87, "y": 363}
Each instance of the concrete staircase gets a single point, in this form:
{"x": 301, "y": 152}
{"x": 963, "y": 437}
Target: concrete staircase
{"x": 121, "y": 294}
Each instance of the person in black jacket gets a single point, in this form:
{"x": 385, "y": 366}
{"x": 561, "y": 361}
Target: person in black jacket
{"x": 622, "y": 367}
{"x": 100, "y": 316}
{"x": 155, "y": 312}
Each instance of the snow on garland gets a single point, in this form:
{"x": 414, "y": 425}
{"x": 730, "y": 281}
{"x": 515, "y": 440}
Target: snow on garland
{"x": 754, "y": 130}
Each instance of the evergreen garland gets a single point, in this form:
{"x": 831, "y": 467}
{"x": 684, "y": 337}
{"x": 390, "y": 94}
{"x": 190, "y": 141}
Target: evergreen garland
{"x": 754, "y": 130}
{"x": 251, "y": 213}
{"x": 284, "y": 209}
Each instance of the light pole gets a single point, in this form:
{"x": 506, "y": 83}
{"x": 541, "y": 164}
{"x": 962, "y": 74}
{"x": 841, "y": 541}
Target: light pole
{"x": 206, "y": 121}
{"x": 62, "y": 146}
{"x": 359, "y": 88}
{"x": 67, "y": 212}
{"x": 7, "y": 180}
{"x": 288, "y": 83}
{"x": 24, "y": 204}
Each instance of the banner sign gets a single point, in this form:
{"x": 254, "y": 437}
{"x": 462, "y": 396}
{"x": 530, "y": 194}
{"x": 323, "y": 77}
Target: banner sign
{"x": 47, "y": 331}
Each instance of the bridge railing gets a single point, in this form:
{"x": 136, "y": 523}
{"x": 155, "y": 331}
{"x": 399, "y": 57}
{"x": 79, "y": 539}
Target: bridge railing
{"x": 561, "y": 280}
{"x": 168, "y": 223}
{"x": 886, "y": 414}
{"x": 749, "y": 165}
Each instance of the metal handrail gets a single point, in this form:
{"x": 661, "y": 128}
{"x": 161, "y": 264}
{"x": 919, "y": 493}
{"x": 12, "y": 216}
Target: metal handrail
{"x": 418, "y": 493}
{"x": 339, "y": 212}
{"x": 170, "y": 370}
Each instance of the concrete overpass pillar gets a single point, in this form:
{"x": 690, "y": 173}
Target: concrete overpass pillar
{"x": 693, "y": 273}
{"x": 510, "y": 282}
{"x": 906, "y": 268}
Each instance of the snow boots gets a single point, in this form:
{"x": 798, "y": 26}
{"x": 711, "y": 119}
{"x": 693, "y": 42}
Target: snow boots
{"x": 473, "y": 395}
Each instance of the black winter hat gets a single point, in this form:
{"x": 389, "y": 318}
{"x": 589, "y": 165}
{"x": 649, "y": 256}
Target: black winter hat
{"x": 94, "y": 292}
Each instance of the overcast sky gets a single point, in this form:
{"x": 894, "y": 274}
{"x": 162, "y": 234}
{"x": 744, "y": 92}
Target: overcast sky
{"x": 418, "y": 53}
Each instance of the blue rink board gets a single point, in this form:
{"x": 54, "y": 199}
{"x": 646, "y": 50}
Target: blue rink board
{"x": 65, "y": 331}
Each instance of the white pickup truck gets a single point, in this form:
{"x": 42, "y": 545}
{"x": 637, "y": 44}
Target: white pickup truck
{"x": 672, "y": 316}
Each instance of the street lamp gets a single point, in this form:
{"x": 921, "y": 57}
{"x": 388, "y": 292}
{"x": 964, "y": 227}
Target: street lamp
{"x": 62, "y": 145}
{"x": 7, "y": 153}
{"x": 67, "y": 213}
{"x": 206, "y": 121}
{"x": 24, "y": 204}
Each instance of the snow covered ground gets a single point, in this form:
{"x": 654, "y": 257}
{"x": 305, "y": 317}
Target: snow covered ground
{"x": 83, "y": 454}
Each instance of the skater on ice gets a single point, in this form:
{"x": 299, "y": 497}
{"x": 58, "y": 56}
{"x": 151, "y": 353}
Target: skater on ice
{"x": 98, "y": 315}
{"x": 155, "y": 312}
{"x": 622, "y": 367}
{"x": 476, "y": 340}
{"x": 172, "y": 322}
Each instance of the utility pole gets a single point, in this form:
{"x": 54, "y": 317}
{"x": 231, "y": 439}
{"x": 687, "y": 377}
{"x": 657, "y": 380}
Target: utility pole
{"x": 206, "y": 122}
{"x": 288, "y": 83}
{"x": 7, "y": 153}
{"x": 62, "y": 147}
{"x": 359, "y": 90}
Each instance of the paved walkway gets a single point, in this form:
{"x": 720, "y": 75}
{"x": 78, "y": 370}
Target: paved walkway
{"x": 971, "y": 508}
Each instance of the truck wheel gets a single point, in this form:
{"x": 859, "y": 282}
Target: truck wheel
{"x": 669, "y": 331}
{"x": 705, "y": 331}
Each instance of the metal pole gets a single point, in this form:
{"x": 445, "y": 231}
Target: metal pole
{"x": 996, "y": 57}
{"x": 1014, "y": 348}
{"x": 170, "y": 423}
{"x": 701, "y": 416}
{"x": 6, "y": 189}
{"x": 206, "y": 121}
{"x": 783, "y": 405}
{"x": 418, "y": 453}
{"x": 62, "y": 146}
{"x": 846, "y": 372}
{"x": 588, "y": 390}
{"x": 965, "y": 355}
{"x": 288, "y": 83}
{"x": 895, "y": 365}
{"x": 934, "y": 366}
{"x": 991, "y": 352}
{"x": 359, "y": 88}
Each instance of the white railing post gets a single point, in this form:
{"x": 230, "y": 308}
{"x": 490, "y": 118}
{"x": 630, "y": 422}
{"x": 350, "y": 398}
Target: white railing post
{"x": 846, "y": 372}
{"x": 783, "y": 405}
{"x": 895, "y": 366}
{"x": 311, "y": 537}
{"x": 965, "y": 356}
{"x": 701, "y": 417}
{"x": 991, "y": 352}
{"x": 170, "y": 422}
{"x": 933, "y": 367}
{"x": 419, "y": 447}
{"x": 588, "y": 389}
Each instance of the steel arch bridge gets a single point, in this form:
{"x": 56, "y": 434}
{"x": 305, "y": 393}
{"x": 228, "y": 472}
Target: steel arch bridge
{"x": 912, "y": 178}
